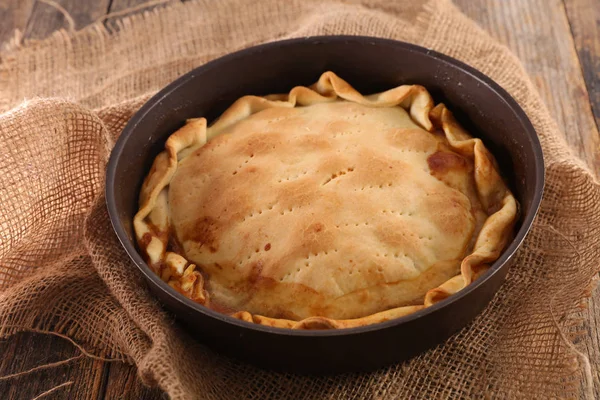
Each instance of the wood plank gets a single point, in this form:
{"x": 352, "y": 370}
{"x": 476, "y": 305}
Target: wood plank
{"x": 538, "y": 32}
{"x": 91, "y": 379}
{"x": 14, "y": 15}
{"x": 28, "y": 350}
{"x": 120, "y": 5}
{"x": 88, "y": 376}
{"x": 117, "y": 6}
{"x": 46, "y": 19}
{"x": 589, "y": 342}
{"x": 584, "y": 19}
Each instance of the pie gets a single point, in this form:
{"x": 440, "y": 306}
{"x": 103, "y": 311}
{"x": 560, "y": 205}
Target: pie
{"x": 323, "y": 208}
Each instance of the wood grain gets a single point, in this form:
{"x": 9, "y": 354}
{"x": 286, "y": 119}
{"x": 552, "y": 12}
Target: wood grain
{"x": 123, "y": 5}
{"x": 589, "y": 341}
{"x": 14, "y": 14}
{"x": 538, "y": 32}
{"x": 45, "y": 19}
{"x": 584, "y": 19}
{"x": 120, "y": 5}
{"x": 28, "y": 350}
{"x": 91, "y": 379}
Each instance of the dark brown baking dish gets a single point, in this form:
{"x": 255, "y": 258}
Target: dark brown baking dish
{"x": 370, "y": 65}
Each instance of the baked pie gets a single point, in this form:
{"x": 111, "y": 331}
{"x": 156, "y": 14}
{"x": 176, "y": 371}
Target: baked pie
{"x": 323, "y": 208}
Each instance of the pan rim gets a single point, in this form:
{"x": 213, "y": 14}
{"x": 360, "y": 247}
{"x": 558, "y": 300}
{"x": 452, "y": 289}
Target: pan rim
{"x": 118, "y": 151}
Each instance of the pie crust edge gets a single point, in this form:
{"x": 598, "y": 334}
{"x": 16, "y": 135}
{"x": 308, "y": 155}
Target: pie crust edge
{"x": 151, "y": 223}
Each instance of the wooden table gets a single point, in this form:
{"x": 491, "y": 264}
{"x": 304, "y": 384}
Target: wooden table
{"x": 558, "y": 41}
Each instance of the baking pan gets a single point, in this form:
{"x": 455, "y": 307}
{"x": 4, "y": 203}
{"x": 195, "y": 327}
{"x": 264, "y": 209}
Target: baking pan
{"x": 370, "y": 65}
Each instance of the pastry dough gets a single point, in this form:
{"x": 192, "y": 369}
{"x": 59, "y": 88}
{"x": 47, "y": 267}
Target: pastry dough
{"x": 323, "y": 208}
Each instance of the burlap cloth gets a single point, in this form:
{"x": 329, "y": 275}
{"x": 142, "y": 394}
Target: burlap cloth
{"x": 62, "y": 269}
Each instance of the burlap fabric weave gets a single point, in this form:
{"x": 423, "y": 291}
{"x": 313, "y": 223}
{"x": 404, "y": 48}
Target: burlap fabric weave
{"x": 62, "y": 269}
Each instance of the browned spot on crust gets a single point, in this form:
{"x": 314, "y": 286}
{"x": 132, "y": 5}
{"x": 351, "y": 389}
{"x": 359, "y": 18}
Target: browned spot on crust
{"x": 218, "y": 307}
{"x": 174, "y": 244}
{"x": 158, "y": 267}
{"x": 267, "y": 246}
{"x": 255, "y": 272}
{"x": 259, "y": 144}
{"x": 145, "y": 240}
{"x": 316, "y": 323}
{"x": 204, "y": 232}
{"x": 317, "y": 227}
{"x": 486, "y": 162}
{"x": 442, "y": 162}
{"x": 494, "y": 207}
{"x": 414, "y": 139}
{"x": 363, "y": 297}
{"x": 439, "y": 133}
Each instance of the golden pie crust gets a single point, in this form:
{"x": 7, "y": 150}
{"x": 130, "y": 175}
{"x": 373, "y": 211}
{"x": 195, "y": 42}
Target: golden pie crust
{"x": 323, "y": 208}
